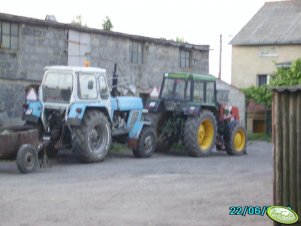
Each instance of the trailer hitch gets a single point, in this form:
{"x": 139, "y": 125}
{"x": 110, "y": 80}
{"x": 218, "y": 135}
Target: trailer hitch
{"x": 46, "y": 141}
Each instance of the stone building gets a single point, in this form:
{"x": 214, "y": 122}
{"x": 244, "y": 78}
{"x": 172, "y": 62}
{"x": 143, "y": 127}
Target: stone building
{"x": 28, "y": 45}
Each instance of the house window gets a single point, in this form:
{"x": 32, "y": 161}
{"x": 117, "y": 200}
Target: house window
{"x": 268, "y": 51}
{"x": 262, "y": 80}
{"x": 185, "y": 58}
{"x": 137, "y": 53}
{"x": 9, "y": 33}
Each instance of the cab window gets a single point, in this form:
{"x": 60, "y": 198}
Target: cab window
{"x": 198, "y": 91}
{"x": 210, "y": 95}
{"x": 103, "y": 88}
{"x": 87, "y": 86}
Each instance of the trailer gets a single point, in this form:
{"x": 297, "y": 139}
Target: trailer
{"x": 23, "y": 144}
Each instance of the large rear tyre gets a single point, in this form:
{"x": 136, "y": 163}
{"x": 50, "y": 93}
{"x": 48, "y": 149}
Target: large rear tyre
{"x": 200, "y": 134}
{"x": 236, "y": 142}
{"x": 27, "y": 158}
{"x": 92, "y": 140}
{"x": 164, "y": 140}
{"x": 146, "y": 143}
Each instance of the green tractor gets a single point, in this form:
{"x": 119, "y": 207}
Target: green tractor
{"x": 187, "y": 111}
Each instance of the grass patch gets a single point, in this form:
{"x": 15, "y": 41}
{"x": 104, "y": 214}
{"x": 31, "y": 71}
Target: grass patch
{"x": 259, "y": 136}
{"x": 117, "y": 147}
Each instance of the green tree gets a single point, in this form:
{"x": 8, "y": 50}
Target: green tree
{"x": 287, "y": 76}
{"x": 180, "y": 40}
{"x": 107, "y": 24}
{"x": 78, "y": 21}
{"x": 284, "y": 76}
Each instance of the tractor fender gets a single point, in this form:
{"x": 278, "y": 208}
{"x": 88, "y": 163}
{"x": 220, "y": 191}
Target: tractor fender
{"x": 33, "y": 111}
{"x": 77, "y": 111}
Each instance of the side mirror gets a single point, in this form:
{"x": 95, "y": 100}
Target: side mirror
{"x": 90, "y": 85}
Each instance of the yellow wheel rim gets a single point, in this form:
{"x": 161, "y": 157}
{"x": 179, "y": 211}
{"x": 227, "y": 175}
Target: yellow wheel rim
{"x": 239, "y": 140}
{"x": 205, "y": 134}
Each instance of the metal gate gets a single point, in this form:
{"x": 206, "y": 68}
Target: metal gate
{"x": 78, "y": 48}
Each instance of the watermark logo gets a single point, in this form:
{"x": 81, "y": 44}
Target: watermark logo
{"x": 282, "y": 214}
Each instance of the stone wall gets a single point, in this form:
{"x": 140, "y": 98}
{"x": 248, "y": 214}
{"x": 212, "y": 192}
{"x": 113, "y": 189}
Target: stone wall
{"x": 38, "y": 46}
{"x": 157, "y": 59}
{"x": 42, "y": 43}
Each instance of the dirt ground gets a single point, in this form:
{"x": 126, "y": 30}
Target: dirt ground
{"x": 167, "y": 189}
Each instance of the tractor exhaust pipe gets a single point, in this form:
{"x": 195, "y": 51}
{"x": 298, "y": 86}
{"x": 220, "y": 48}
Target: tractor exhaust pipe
{"x": 114, "y": 82}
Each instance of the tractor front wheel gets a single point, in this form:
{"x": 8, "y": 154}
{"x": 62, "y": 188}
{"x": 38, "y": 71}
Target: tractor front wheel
{"x": 236, "y": 142}
{"x": 92, "y": 140}
{"x": 200, "y": 134}
{"x": 164, "y": 139}
{"x": 146, "y": 143}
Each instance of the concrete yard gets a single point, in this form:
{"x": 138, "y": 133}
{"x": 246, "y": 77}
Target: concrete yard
{"x": 167, "y": 189}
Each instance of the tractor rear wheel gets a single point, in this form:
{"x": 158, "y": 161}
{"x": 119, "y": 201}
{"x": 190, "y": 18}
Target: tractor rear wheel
{"x": 146, "y": 143}
{"x": 92, "y": 140}
{"x": 236, "y": 141}
{"x": 200, "y": 134}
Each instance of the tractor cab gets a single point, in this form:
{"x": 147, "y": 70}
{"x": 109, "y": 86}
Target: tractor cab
{"x": 185, "y": 92}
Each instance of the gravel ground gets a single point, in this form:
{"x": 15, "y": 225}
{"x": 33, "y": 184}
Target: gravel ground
{"x": 167, "y": 189}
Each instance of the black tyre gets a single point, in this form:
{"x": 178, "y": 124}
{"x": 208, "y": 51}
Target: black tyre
{"x": 200, "y": 134}
{"x": 92, "y": 140}
{"x": 164, "y": 140}
{"x": 27, "y": 158}
{"x": 146, "y": 143}
{"x": 236, "y": 141}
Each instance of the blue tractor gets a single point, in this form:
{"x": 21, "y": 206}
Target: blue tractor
{"x": 73, "y": 107}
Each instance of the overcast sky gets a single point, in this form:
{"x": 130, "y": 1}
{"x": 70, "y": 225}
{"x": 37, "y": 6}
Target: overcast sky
{"x": 196, "y": 21}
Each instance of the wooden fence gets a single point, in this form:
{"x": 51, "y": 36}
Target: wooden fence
{"x": 286, "y": 121}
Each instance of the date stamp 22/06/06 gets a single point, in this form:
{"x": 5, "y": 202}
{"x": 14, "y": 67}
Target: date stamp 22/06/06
{"x": 248, "y": 210}
{"x": 280, "y": 214}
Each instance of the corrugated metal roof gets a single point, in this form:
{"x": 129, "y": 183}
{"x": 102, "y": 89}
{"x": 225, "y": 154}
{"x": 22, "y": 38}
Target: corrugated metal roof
{"x": 291, "y": 89}
{"x": 275, "y": 23}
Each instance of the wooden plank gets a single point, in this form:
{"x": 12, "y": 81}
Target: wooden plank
{"x": 285, "y": 148}
{"x": 274, "y": 145}
{"x": 292, "y": 151}
{"x": 278, "y": 168}
{"x": 298, "y": 149}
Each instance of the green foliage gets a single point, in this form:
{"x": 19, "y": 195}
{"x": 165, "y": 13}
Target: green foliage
{"x": 78, "y": 21}
{"x": 180, "y": 40}
{"x": 287, "y": 76}
{"x": 258, "y": 94}
{"x": 259, "y": 136}
{"x": 107, "y": 24}
{"x": 284, "y": 76}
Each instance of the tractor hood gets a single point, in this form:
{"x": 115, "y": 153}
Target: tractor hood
{"x": 127, "y": 103}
